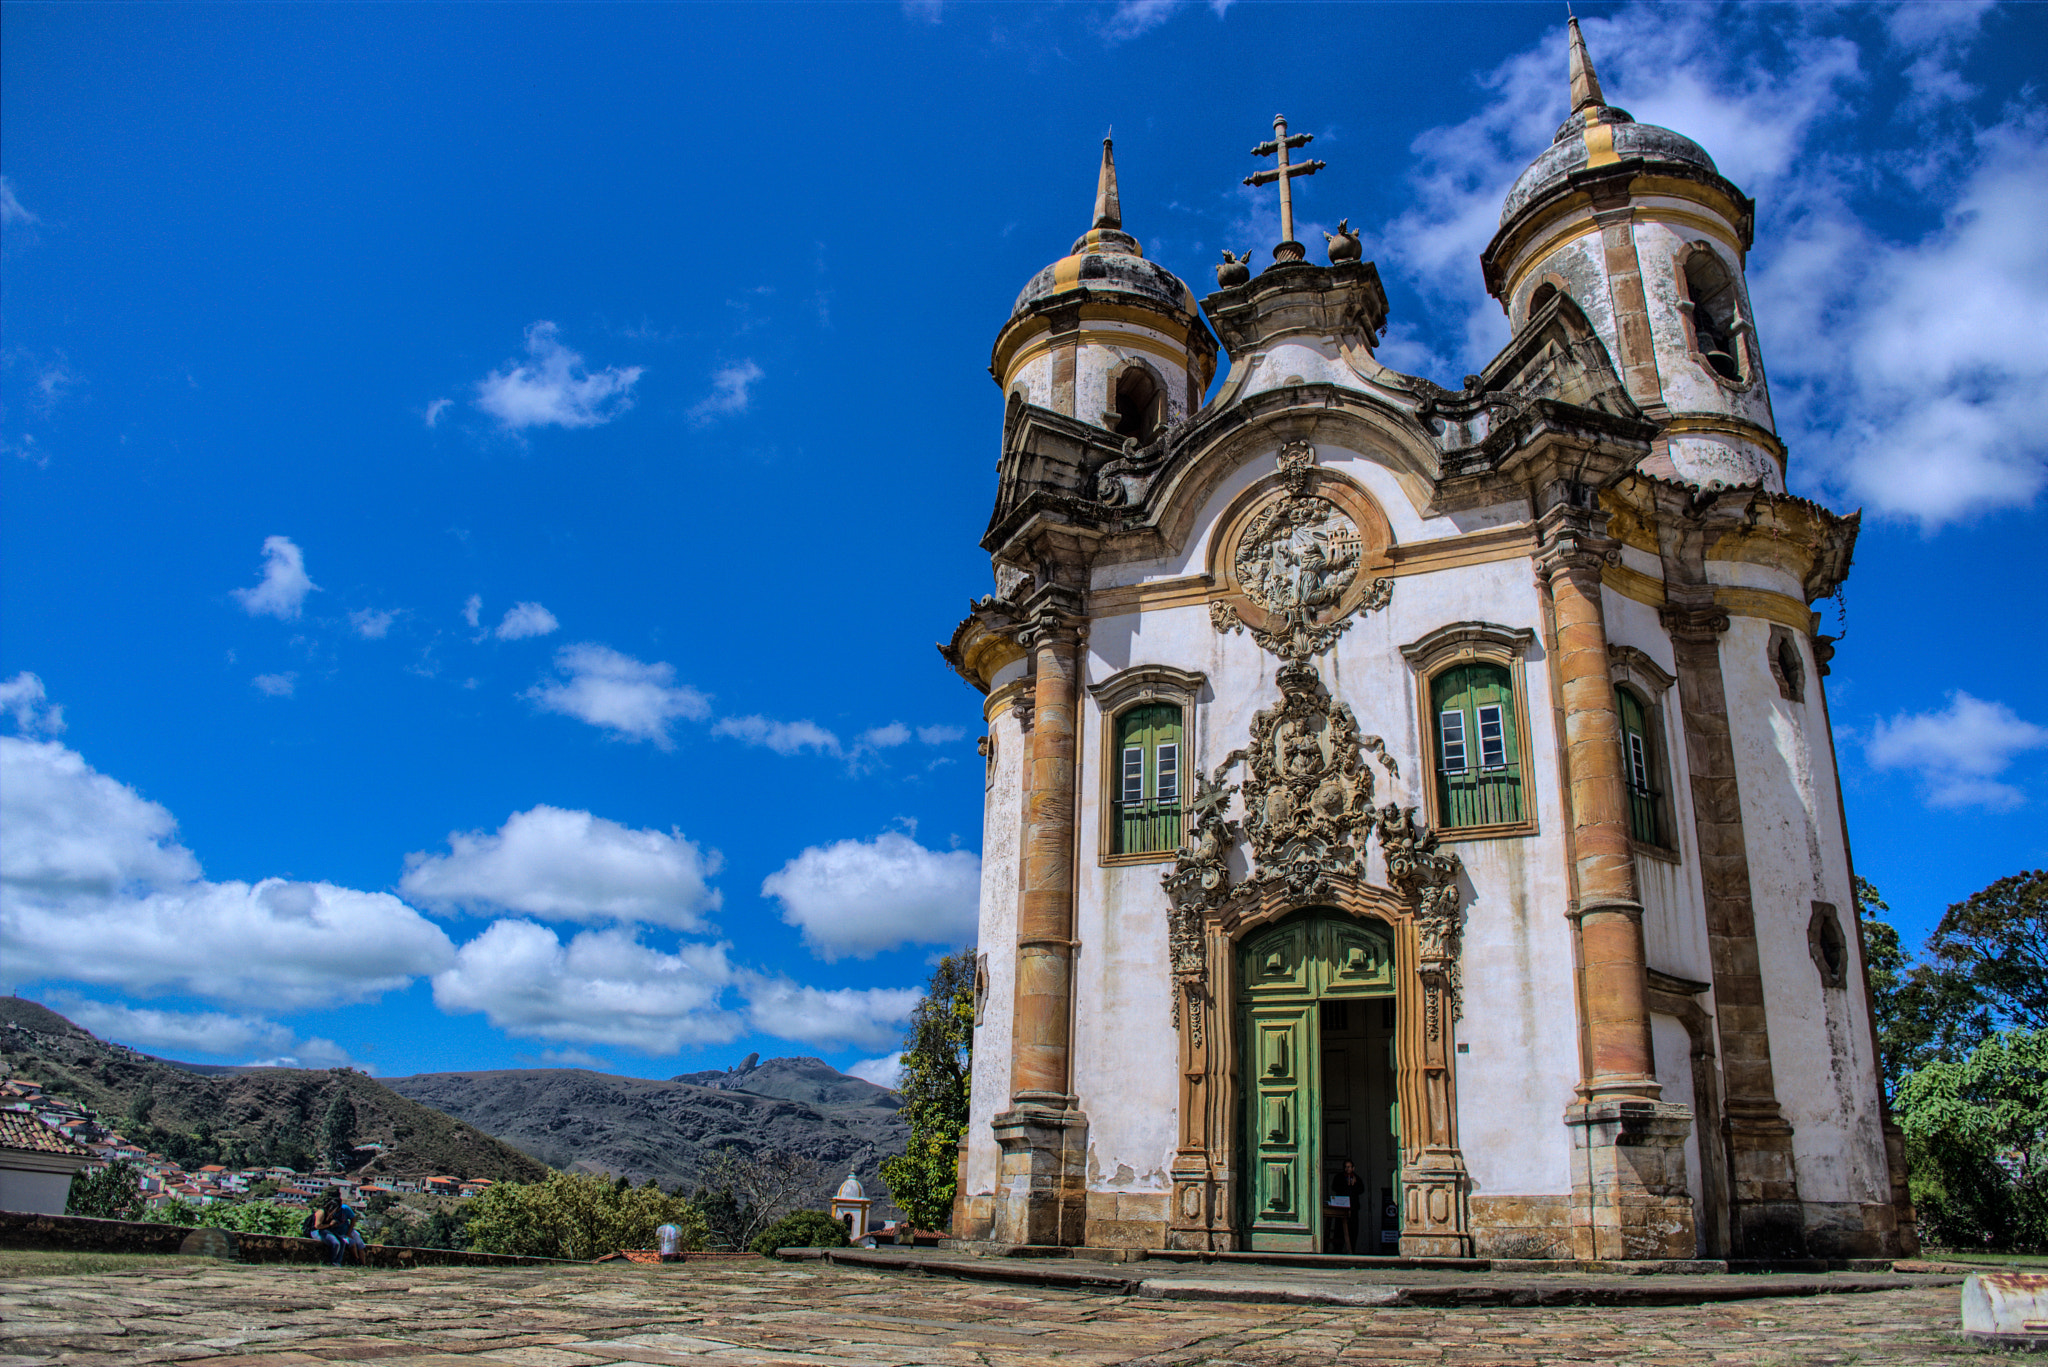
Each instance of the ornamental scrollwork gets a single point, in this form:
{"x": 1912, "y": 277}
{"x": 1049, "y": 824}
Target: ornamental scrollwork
{"x": 1307, "y": 792}
{"x": 1198, "y": 884}
{"x": 1428, "y": 878}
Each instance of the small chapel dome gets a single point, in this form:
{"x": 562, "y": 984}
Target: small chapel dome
{"x": 1108, "y": 260}
{"x": 1597, "y": 129}
{"x": 850, "y": 1189}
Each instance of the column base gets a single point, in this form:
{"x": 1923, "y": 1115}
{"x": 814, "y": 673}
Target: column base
{"x": 1042, "y": 1177}
{"x": 1629, "y": 1194}
{"x": 1434, "y": 1221}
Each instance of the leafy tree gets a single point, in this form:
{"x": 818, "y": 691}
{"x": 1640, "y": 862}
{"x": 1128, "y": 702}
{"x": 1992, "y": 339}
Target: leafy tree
{"x": 581, "y": 1216}
{"x": 763, "y": 1187}
{"x": 724, "y": 1218}
{"x": 801, "y": 1229}
{"x": 1979, "y": 1125}
{"x": 1995, "y": 943}
{"x": 338, "y": 1130}
{"x": 938, "y": 1056}
{"x": 142, "y": 1105}
{"x": 111, "y": 1193}
{"x": 1884, "y": 960}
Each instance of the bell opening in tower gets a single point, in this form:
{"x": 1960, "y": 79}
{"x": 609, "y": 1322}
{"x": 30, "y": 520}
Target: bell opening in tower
{"x": 1140, "y": 404}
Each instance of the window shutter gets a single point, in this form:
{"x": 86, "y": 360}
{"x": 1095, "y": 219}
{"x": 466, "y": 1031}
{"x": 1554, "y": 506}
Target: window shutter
{"x": 1148, "y": 816}
{"x": 1475, "y": 707}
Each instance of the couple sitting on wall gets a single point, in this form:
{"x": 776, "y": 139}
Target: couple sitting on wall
{"x": 333, "y": 1223}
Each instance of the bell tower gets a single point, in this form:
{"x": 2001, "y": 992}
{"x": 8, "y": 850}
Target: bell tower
{"x": 1104, "y": 336}
{"x": 1634, "y": 223}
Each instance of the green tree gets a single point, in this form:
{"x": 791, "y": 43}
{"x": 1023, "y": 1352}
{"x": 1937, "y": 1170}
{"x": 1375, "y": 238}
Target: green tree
{"x": 108, "y": 1194}
{"x": 1979, "y": 1126}
{"x": 1994, "y": 945}
{"x": 338, "y": 1130}
{"x": 801, "y": 1229}
{"x": 938, "y": 1056}
{"x": 142, "y": 1106}
{"x": 579, "y": 1215}
{"x": 1885, "y": 961}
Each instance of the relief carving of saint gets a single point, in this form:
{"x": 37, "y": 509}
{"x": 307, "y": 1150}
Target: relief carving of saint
{"x": 1300, "y": 556}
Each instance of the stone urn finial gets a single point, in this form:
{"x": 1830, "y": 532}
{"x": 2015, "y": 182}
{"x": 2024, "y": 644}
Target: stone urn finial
{"x": 1235, "y": 270}
{"x": 1344, "y": 244}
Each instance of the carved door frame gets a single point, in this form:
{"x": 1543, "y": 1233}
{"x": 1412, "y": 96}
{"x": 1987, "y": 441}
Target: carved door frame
{"x": 1209, "y": 1164}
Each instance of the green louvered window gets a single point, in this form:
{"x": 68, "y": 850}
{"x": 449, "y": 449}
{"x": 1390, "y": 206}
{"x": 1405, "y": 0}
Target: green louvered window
{"x": 1148, "y": 779}
{"x": 1639, "y": 769}
{"x": 1478, "y": 754}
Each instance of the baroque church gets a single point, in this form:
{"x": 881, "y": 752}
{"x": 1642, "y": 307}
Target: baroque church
{"x": 1435, "y": 781}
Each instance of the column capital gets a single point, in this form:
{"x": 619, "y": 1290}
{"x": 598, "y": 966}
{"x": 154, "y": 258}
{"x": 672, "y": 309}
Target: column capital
{"x": 1575, "y": 541}
{"x": 1051, "y": 614}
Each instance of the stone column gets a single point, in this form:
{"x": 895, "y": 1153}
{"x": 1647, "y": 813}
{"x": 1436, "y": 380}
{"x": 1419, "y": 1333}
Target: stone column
{"x": 1765, "y": 1218}
{"x": 1041, "y": 1196}
{"x": 1629, "y": 1194}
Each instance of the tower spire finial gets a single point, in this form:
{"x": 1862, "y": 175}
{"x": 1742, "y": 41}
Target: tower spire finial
{"x": 1585, "y": 84}
{"x": 1108, "y": 213}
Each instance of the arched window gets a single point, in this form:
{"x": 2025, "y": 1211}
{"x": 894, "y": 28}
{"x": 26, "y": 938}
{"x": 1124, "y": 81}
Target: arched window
{"x": 1788, "y": 667}
{"x": 1639, "y": 769}
{"x": 1542, "y": 295}
{"x": 1148, "y": 755}
{"x": 1710, "y": 295}
{"x": 1140, "y": 404}
{"x": 1478, "y": 753}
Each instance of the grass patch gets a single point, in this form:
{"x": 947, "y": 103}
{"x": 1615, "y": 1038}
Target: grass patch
{"x": 1988, "y": 1259}
{"x": 28, "y": 1262}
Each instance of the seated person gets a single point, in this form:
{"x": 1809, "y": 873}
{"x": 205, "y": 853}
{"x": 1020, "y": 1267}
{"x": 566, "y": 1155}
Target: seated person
{"x": 334, "y": 1224}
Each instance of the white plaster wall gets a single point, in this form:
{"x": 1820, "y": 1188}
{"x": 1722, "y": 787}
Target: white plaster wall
{"x": 1582, "y": 265}
{"x": 1520, "y": 1019}
{"x": 1034, "y": 379}
{"x": 1672, "y": 1048}
{"x": 1820, "y": 1049}
{"x": 1002, "y": 821}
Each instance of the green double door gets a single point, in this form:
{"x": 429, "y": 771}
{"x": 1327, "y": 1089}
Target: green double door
{"x": 1317, "y": 1041}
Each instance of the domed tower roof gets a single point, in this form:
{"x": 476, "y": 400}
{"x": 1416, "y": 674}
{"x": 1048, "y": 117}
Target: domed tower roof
{"x": 1107, "y": 260}
{"x": 1598, "y": 134}
{"x": 851, "y": 1190}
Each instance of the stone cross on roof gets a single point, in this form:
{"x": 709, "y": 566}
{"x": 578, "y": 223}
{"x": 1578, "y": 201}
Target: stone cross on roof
{"x": 1289, "y": 249}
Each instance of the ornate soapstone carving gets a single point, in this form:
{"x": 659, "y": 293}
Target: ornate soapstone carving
{"x": 1296, "y": 562}
{"x": 1428, "y": 878}
{"x": 1307, "y": 811}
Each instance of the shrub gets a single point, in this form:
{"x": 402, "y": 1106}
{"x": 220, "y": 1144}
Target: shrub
{"x": 801, "y": 1229}
{"x": 109, "y": 1194}
{"x": 580, "y": 1216}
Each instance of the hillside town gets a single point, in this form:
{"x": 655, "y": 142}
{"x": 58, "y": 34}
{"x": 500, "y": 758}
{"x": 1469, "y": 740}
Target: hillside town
{"x": 165, "y": 1182}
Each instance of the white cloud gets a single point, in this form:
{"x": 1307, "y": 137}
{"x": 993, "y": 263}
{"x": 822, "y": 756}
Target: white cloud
{"x": 731, "y": 392}
{"x": 285, "y": 583}
{"x": 568, "y": 866}
{"x": 1939, "y": 35}
{"x": 1958, "y": 753}
{"x": 886, "y": 1071}
{"x": 371, "y": 624}
{"x": 176, "y": 1033}
{"x": 472, "y": 609}
{"x": 860, "y": 1017}
{"x": 23, "y": 699}
{"x": 860, "y": 897}
{"x": 312, "y": 1053}
{"x": 436, "y": 409}
{"x": 12, "y": 214}
{"x": 885, "y": 737}
{"x": 552, "y": 387}
{"x": 1915, "y": 376}
{"x": 602, "y": 987}
{"x": 783, "y": 737}
{"x": 628, "y": 698}
{"x": 95, "y": 888}
{"x": 523, "y": 620}
{"x": 941, "y": 735}
{"x": 928, "y": 10}
{"x": 277, "y": 685}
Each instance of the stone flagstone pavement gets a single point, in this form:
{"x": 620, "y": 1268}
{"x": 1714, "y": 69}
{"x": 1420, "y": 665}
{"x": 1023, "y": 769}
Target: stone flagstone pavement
{"x": 759, "y": 1314}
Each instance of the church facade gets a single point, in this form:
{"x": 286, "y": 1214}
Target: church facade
{"x": 1438, "y": 782}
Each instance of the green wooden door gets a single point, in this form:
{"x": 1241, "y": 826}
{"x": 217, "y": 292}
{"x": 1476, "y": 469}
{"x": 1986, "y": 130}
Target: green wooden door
{"x": 1285, "y": 975}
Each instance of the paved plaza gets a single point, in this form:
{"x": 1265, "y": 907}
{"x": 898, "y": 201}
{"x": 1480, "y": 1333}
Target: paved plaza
{"x": 761, "y": 1313}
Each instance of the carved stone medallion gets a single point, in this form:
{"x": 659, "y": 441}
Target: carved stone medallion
{"x": 1297, "y": 563}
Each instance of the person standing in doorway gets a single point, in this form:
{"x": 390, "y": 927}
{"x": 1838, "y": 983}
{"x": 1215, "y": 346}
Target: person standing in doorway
{"x": 1347, "y": 1195}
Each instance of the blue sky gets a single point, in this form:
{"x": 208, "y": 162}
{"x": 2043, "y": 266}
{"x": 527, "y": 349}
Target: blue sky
{"x": 482, "y": 482}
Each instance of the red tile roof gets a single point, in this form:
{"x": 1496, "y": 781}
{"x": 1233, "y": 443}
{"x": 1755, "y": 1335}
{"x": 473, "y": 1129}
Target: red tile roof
{"x": 20, "y": 1130}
